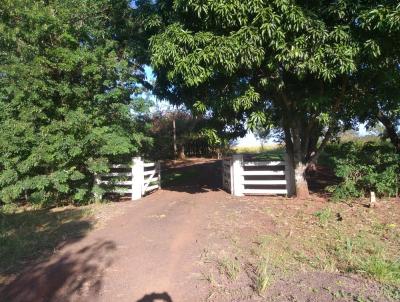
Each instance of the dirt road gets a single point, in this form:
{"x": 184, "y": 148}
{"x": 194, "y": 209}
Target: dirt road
{"x": 192, "y": 241}
{"x": 149, "y": 253}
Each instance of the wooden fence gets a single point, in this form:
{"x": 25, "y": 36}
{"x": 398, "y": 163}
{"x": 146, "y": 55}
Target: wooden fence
{"x": 135, "y": 179}
{"x": 245, "y": 177}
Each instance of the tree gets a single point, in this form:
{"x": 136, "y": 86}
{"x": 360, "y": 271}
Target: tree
{"x": 284, "y": 63}
{"x": 177, "y": 132}
{"x": 379, "y": 71}
{"x": 67, "y": 75}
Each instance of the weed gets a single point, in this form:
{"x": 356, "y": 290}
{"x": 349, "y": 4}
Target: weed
{"x": 324, "y": 215}
{"x": 382, "y": 269}
{"x": 229, "y": 267}
{"x": 263, "y": 276}
{"x": 209, "y": 277}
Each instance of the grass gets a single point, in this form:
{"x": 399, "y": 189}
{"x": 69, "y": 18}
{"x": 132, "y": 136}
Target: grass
{"x": 263, "y": 276}
{"x": 229, "y": 267}
{"x": 332, "y": 238}
{"x": 274, "y": 152}
{"x": 324, "y": 215}
{"x": 357, "y": 245}
{"x": 28, "y": 234}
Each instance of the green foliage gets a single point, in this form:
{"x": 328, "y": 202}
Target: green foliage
{"x": 324, "y": 216}
{"x": 362, "y": 254}
{"x": 364, "y": 167}
{"x": 290, "y": 65}
{"x": 66, "y": 80}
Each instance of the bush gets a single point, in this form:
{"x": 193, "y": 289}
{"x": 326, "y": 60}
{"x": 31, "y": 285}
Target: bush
{"x": 66, "y": 108}
{"x": 364, "y": 167}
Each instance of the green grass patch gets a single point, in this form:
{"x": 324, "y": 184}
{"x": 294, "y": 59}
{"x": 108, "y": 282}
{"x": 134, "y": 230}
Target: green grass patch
{"x": 324, "y": 215}
{"x": 277, "y": 153}
{"x": 355, "y": 243}
{"x": 274, "y": 152}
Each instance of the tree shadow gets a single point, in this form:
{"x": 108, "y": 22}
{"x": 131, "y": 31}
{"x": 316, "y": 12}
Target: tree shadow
{"x": 73, "y": 273}
{"x": 30, "y": 235}
{"x": 320, "y": 179}
{"x": 193, "y": 177}
{"x": 161, "y": 297}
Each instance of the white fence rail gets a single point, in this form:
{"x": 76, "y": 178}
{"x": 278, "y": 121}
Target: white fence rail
{"x": 243, "y": 177}
{"x": 135, "y": 179}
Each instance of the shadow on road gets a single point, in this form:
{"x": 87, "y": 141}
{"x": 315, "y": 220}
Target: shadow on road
{"x": 161, "y": 297}
{"x": 193, "y": 177}
{"x": 73, "y": 273}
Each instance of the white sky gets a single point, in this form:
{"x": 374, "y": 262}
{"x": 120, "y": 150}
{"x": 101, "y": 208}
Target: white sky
{"x": 251, "y": 141}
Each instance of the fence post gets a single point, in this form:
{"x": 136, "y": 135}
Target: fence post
{"x": 137, "y": 178}
{"x": 223, "y": 174}
{"x": 97, "y": 181}
{"x": 289, "y": 176}
{"x": 159, "y": 173}
{"x": 237, "y": 177}
{"x": 231, "y": 175}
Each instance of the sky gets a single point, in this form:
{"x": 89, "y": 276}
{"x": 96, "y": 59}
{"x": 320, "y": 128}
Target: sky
{"x": 251, "y": 141}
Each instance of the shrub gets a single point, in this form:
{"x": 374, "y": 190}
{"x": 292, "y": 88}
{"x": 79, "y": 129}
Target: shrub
{"x": 67, "y": 83}
{"x": 364, "y": 167}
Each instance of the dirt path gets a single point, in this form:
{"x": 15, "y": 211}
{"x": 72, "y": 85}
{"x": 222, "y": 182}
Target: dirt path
{"x": 150, "y": 252}
{"x": 192, "y": 241}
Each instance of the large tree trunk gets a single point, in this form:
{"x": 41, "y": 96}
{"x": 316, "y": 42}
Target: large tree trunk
{"x": 295, "y": 155}
{"x": 182, "y": 154}
{"x": 302, "y": 191}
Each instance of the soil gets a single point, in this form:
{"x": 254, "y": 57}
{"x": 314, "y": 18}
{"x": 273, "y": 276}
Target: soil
{"x": 163, "y": 247}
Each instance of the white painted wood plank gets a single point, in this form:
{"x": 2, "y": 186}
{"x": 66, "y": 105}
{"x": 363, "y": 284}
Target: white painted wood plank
{"x": 152, "y": 179}
{"x": 263, "y": 163}
{"x": 117, "y": 183}
{"x": 265, "y": 182}
{"x": 118, "y": 174}
{"x": 255, "y": 173}
{"x": 147, "y": 165}
{"x": 120, "y": 166}
{"x": 121, "y": 191}
{"x": 265, "y": 191}
{"x": 149, "y": 172}
{"x": 151, "y": 188}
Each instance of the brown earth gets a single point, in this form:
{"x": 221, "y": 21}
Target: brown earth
{"x": 163, "y": 248}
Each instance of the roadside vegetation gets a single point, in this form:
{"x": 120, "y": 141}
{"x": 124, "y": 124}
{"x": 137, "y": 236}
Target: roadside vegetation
{"x": 331, "y": 238}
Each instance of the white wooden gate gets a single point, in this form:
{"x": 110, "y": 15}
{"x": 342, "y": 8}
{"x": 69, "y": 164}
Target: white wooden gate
{"x": 246, "y": 177}
{"x": 135, "y": 179}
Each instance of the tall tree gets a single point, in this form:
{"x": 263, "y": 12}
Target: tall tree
{"x": 282, "y": 62}
{"x": 379, "y": 73}
{"x": 67, "y": 74}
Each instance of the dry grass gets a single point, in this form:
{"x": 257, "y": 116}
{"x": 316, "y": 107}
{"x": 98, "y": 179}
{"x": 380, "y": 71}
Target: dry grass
{"x": 314, "y": 236}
